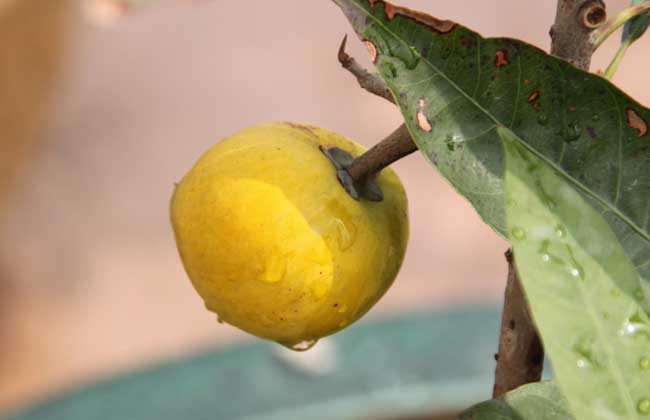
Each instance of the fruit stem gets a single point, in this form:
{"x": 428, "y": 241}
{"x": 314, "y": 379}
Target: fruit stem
{"x": 394, "y": 147}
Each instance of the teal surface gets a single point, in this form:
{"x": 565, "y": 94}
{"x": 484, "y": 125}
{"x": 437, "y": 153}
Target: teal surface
{"x": 409, "y": 365}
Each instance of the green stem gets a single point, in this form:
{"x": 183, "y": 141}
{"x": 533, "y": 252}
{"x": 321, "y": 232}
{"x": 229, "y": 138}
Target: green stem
{"x": 601, "y": 34}
{"x": 613, "y": 66}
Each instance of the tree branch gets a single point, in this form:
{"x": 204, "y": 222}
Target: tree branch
{"x": 574, "y": 22}
{"x": 521, "y": 353}
{"x": 371, "y": 82}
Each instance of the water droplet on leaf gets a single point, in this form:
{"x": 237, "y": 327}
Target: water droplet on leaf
{"x": 573, "y": 132}
{"x": 639, "y": 294}
{"x": 518, "y": 233}
{"x": 577, "y": 272}
{"x": 389, "y": 69}
{"x": 644, "y": 363}
{"x": 542, "y": 119}
{"x": 643, "y": 406}
{"x": 635, "y": 325}
{"x": 584, "y": 348}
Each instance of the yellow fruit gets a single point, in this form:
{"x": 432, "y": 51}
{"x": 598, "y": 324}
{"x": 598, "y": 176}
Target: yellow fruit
{"x": 274, "y": 244}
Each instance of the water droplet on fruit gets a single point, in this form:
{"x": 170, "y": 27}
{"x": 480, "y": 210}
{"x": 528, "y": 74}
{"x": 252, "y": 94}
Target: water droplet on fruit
{"x": 275, "y": 270}
{"x": 319, "y": 289}
{"x": 643, "y": 406}
{"x": 644, "y": 363}
{"x": 560, "y": 231}
{"x": 343, "y": 324}
{"x": 302, "y": 345}
{"x": 518, "y": 233}
{"x": 346, "y": 234}
{"x": 546, "y": 257}
{"x": 582, "y": 363}
{"x": 343, "y": 309}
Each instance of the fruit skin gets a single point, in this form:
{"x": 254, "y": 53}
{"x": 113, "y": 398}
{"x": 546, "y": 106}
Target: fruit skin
{"x": 273, "y": 243}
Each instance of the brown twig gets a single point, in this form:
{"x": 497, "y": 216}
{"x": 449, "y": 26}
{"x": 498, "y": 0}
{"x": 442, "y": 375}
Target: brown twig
{"x": 371, "y": 82}
{"x": 521, "y": 353}
{"x": 521, "y": 356}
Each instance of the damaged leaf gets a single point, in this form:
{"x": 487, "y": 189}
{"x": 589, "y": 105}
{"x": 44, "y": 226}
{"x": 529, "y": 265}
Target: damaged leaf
{"x": 455, "y": 88}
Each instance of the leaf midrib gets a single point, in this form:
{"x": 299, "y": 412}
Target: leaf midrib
{"x": 499, "y": 124}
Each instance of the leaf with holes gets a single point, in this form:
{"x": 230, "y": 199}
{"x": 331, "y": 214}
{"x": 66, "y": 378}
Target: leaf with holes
{"x": 536, "y": 401}
{"x": 455, "y": 88}
{"x": 573, "y": 270}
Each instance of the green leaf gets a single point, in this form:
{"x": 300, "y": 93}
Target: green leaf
{"x": 636, "y": 27}
{"x": 455, "y": 88}
{"x": 573, "y": 270}
{"x": 536, "y": 401}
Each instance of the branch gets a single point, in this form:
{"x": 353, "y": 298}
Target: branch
{"x": 602, "y": 33}
{"x": 371, "y": 82}
{"x": 521, "y": 356}
{"x": 574, "y": 23}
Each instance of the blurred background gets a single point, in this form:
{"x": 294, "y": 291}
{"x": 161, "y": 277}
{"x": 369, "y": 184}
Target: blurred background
{"x": 100, "y": 115}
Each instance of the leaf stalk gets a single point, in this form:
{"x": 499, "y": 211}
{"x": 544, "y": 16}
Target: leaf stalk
{"x": 600, "y": 35}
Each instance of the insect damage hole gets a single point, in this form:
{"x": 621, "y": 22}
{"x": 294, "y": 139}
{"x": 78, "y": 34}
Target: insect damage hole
{"x": 423, "y": 121}
{"x": 636, "y": 122}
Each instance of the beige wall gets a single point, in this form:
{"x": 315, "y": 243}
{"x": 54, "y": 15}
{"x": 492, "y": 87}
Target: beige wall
{"x": 90, "y": 276}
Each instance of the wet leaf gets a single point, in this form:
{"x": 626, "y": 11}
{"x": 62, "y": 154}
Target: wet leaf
{"x": 536, "y": 401}
{"x": 455, "y": 88}
{"x": 579, "y": 282}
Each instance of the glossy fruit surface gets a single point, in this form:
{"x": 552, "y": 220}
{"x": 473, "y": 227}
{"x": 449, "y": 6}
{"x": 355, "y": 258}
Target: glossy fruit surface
{"x": 274, "y": 244}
